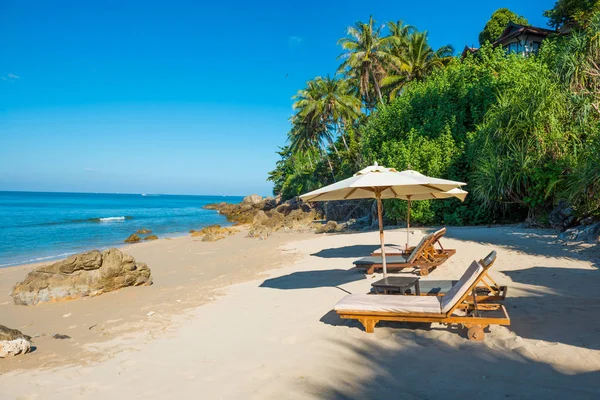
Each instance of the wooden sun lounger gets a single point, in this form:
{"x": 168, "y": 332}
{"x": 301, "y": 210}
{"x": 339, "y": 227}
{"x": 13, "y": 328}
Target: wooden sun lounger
{"x": 487, "y": 289}
{"x": 453, "y": 308}
{"x": 423, "y": 256}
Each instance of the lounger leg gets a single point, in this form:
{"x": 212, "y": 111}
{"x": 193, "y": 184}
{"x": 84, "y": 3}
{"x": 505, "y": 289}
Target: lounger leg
{"x": 371, "y": 270}
{"x": 369, "y": 324}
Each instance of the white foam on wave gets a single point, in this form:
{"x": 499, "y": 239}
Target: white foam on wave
{"x": 108, "y": 219}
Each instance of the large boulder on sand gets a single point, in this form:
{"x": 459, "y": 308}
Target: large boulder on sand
{"x": 13, "y": 342}
{"x": 86, "y": 274}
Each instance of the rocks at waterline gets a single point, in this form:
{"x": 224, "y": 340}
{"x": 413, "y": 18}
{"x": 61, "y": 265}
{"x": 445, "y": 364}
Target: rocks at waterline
{"x": 13, "y": 342}
{"x": 133, "y": 238}
{"x": 268, "y": 215}
{"x": 151, "y": 237}
{"x": 252, "y": 199}
{"x": 143, "y": 231}
{"x": 85, "y": 274}
{"x": 212, "y": 233}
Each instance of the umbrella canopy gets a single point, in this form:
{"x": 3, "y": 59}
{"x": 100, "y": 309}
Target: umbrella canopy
{"x": 387, "y": 183}
{"x": 393, "y": 185}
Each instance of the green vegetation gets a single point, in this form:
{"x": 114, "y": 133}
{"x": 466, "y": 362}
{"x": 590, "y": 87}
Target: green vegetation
{"x": 572, "y": 13}
{"x": 524, "y": 132}
{"x": 497, "y": 23}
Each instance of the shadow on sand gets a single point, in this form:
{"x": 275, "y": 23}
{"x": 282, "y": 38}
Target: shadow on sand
{"x": 427, "y": 368}
{"x": 314, "y": 279}
{"x": 354, "y": 251}
{"x": 539, "y": 242}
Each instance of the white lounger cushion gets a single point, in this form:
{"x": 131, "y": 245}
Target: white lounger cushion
{"x": 389, "y": 303}
{"x": 461, "y": 287}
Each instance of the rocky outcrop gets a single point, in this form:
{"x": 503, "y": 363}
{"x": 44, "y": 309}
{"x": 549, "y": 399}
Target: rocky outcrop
{"x": 329, "y": 227}
{"x": 562, "y": 216}
{"x": 583, "y": 233}
{"x": 252, "y": 199}
{"x": 144, "y": 231}
{"x": 133, "y": 238}
{"x": 86, "y": 274}
{"x": 212, "y": 233}
{"x": 151, "y": 237}
{"x": 13, "y": 342}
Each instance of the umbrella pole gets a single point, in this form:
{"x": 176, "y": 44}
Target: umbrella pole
{"x": 380, "y": 216}
{"x": 408, "y": 224}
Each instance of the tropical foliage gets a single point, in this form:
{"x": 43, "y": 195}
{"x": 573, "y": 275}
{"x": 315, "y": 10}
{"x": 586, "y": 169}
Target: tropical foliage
{"x": 524, "y": 132}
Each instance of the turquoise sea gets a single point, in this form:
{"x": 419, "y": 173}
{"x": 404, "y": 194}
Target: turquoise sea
{"x": 37, "y": 226}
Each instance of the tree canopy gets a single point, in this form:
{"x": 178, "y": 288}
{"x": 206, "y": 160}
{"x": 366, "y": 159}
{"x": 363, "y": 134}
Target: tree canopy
{"x": 572, "y": 12}
{"x": 497, "y": 23}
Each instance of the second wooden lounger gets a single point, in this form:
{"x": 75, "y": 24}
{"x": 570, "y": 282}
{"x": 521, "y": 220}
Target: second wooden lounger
{"x": 423, "y": 256}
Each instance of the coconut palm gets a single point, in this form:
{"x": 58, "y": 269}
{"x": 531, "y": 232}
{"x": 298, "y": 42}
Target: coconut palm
{"x": 399, "y": 36}
{"x": 416, "y": 62}
{"x": 365, "y": 57}
{"x": 339, "y": 104}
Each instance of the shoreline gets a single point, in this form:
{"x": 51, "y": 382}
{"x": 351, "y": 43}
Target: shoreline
{"x": 180, "y": 283}
{"x": 63, "y": 255}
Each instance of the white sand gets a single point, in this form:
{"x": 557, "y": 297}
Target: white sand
{"x": 276, "y": 337}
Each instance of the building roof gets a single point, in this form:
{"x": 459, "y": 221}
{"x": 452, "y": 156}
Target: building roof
{"x": 513, "y": 30}
{"x": 468, "y": 50}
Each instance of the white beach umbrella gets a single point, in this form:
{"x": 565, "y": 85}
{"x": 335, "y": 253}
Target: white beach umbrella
{"x": 386, "y": 183}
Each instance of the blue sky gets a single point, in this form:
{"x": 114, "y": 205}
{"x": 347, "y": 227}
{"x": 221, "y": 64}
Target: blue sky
{"x": 177, "y": 96}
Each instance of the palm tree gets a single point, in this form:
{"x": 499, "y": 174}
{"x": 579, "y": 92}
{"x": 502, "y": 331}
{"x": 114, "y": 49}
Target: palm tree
{"x": 365, "y": 56}
{"x": 339, "y": 105}
{"x": 416, "y": 62}
{"x": 399, "y": 36}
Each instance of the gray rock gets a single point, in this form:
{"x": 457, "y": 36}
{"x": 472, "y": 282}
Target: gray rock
{"x": 582, "y": 233}
{"x": 587, "y": 221}
{"x": 61, "y": 336}
{"x": 561, "y": 217}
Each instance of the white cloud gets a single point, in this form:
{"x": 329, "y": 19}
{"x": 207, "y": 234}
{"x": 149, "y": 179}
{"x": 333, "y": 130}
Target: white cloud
{"x": 13, "y": 76}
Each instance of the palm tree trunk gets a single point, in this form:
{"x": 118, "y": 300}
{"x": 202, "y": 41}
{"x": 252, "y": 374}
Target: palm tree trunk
{"x": 324, "y": 154}
{"x": 335, "y": 148}
{"x": 377, "y": 89}
{"x": 341, "y": 133}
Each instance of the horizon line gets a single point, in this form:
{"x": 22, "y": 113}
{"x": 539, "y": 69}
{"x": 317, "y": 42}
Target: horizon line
{"x": 123, "y": 193}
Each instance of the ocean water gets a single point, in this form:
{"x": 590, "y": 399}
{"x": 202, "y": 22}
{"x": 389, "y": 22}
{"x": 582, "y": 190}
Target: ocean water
{"x": 36, "y": 226}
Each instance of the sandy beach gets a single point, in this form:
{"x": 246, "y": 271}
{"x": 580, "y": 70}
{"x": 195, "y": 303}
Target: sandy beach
{"x": 252, "y": 319}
